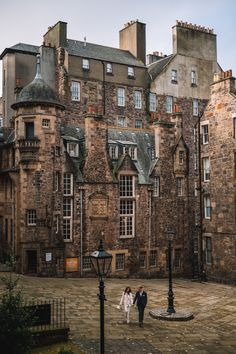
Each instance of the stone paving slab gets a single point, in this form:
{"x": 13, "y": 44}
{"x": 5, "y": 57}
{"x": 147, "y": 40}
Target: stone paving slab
{"x": 213, "y": 329}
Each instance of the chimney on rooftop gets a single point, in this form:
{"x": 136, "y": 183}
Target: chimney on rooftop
{"x": 133, "y": 39}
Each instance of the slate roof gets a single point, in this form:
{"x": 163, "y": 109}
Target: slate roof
{"x": 21, "y": 47}
{"x": 155, "y": 68}
{"x": 96, "y": 51}
{"x": 144, "y": 140}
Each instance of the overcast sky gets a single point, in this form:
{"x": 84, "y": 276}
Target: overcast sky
{"x": 100, "y": 21}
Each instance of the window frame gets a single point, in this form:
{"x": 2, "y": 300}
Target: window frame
{"x": 127, "y": 206}
{"x": 206, "y": 168}
{"x": 152, "y": 102}
{"x": 195, "y": 107}
{"x": 31, "y": 217}
{"x": 76, "y": 150}
{"x": 208, "y": 250}
{"x": 143, "y": 259}
{"x": 130, "y": 71}
{"x": 118, "y": 262}
{"x": 138, "y": 124}
{"x": 121, "y": 96}
{"x": 47, "y": 121}
{"x": 85, "y": 64}
{"x": 138, "y": 99}
{"x": 180, "y": 186}
{"x": 153, "y": 252}
{"x": 109, "y": 68}
{"x": 75, "y": 90}
{"x": 174, "y": 76}
{"x": 207, "y": 207}
{"x": 205, "y": 135}
{"x": 169, "y": 104}
{"x": 193, "y": 77}
{"x": 86, "y": 266}
{"x": 156, "y": 186}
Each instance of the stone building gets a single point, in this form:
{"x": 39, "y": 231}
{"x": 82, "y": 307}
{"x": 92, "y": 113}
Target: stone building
{"x": 217, "y": 166}
{"x": 99, "y": 145}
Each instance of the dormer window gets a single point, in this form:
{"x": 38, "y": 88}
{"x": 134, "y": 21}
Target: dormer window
{"x": 131, "y": 150}
{"x": 85, "y": 64}
{"x": 113, "y": 151}
{"x": 73, "y": 149}
{"x": 130, "y": 71}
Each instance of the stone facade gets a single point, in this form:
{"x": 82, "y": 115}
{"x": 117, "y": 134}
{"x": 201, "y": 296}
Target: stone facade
{"x": 101, "y": 162}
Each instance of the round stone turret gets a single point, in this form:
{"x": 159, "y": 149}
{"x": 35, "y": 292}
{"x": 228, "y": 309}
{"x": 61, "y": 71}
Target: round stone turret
{"x": 37, "y": 92}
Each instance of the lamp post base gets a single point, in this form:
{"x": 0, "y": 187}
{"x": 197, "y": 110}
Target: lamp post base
{"x": 162, "y": 314}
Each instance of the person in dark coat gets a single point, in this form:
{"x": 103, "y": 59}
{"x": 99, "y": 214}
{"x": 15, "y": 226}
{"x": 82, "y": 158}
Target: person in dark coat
{"x": 140, "y": 300}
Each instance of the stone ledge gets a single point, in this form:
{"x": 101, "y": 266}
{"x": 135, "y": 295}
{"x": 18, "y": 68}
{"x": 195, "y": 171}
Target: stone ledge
{"x": 162, "y": 314}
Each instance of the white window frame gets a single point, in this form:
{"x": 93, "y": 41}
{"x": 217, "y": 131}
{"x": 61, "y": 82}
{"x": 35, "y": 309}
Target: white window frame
{"x": 113, "y": 151}
{"x": 195, "y": 107}
{"x": 193, "y": 77}
{"x": 120, "y": 261}
{"x": 169, "y": 104}
{"x": 131, "y": 151}
{"x": 207, "y": 206}
{"x": 85, "y": 64}
{"x": 127, "y": 206}
{"x": 121, "y": 96}
{"x": 72, "y": 148}
{"x": 45, "y": 123}
{"x": 121, "y": 122}
{"x": 130, "y": 71}
{"x": 174, "y": 76}
{"x": 205, "y": 134}
{"x": 152, "y": 102}
{"x": 68, "y": 184}
{"x": 156, "y": 186}
{"x": 138, "y": 99}
{"x": 86, "y": 263}
{"x": 109, "y": 68}
{"x": 31, "y": 217}
{"x": 75, "y": 90}
{"x": 57, "y": 224}
{"x": 1, "y": 122}
{"x": 67, "y": 218}
{"x": 206, "y": 168}
{"x": 138, "y": 124}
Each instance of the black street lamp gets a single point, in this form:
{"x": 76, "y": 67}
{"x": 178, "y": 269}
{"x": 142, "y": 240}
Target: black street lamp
{"x": 170, "y": 236}
{"x": 101, "y": 262}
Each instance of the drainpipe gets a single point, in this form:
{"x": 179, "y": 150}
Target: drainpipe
{"x": 81, "y": 232}
{"x": 200, "y": 244}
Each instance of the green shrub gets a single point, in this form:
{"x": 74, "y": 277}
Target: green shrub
{"x": 15, "y": 320}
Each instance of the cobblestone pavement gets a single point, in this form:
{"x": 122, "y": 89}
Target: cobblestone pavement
{"x": 213, "y": 329}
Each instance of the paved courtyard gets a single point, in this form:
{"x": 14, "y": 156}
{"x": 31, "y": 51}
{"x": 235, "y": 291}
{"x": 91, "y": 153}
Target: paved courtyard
{"x": 213, "y": 329}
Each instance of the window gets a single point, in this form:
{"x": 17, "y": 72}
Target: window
{"x": 138, "y": 99}
{"x": 181, "y": 157}
{"x": 156, "y": 186}
{"x": 177, "y": 258}
{"x": 68, "y": 184}
{"x": 57, "y": 150}
{"x": 121, "y": 122}
{"x": 142, "y": 260}
{"x": 205, "y": 137}
{"x": 56, "y": 176}
{"x": 6, "y": 229}
{"x": 131, "y": 151}
{"x": 208, "y": 250}
{"x": 57, "y": 224}
{"x": 174, "y": 76}
{"x": 206, "y": 168}
{"x": 152, "y": 102}
{"x": 86, "y": 263}
{"x": 45, "y": 123}
{"x": 31, "y": 217}
{"x": 113, "y": 151}
{"x": 153, "y": 258}
{"x": 29, "y": 130}
{"x": 138, "y": 123}
{"x": 127, "y": 206}
{"x": 169, "y": 104}
{"x": 75, "y": 91}
{"x": 195, "y": 107}
{"x": 234, "y": 127}
{"x": 85, "y": 64}
{"x": 130, "y": 71}
{"x": 1, "y": 122}
{"x": 207, "y": 207}
{"x": 109, "y": 68}
{"x": 73, "y": 149}
{"x": 179, "y": 182}
{"x": 194, "y": 135}
{"x": 67, "y": 218}
{"x": 121, "y": 96}
{"x": 193, "y": 77}
{"x": 120, "y": 261}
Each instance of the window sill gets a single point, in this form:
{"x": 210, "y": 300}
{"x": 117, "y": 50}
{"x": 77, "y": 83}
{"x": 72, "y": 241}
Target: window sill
{"x": 124, "y": 237}
{"x": 131, "y": 77}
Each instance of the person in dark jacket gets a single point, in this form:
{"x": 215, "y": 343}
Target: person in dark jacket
{"x": 140, "y": 300}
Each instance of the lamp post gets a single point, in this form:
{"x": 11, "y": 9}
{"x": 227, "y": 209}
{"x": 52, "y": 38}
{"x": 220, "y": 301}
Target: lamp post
{"x": 101, "y": 262}
{"x": 170, "y": 236}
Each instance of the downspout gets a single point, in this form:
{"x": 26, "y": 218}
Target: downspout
{"x": 200, "y": 245}
{"x": 81, "y": 232}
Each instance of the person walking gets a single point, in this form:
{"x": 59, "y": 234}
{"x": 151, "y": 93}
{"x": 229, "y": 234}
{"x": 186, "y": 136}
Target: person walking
{"x": 141, "y": 300}
{"x": 127, "y": 301}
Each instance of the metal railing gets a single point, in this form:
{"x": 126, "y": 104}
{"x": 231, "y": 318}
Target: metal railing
{"x": 47, "y": 314}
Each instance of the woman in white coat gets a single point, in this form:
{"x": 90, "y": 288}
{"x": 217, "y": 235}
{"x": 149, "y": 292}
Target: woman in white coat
{"x": 127, "y": 301}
